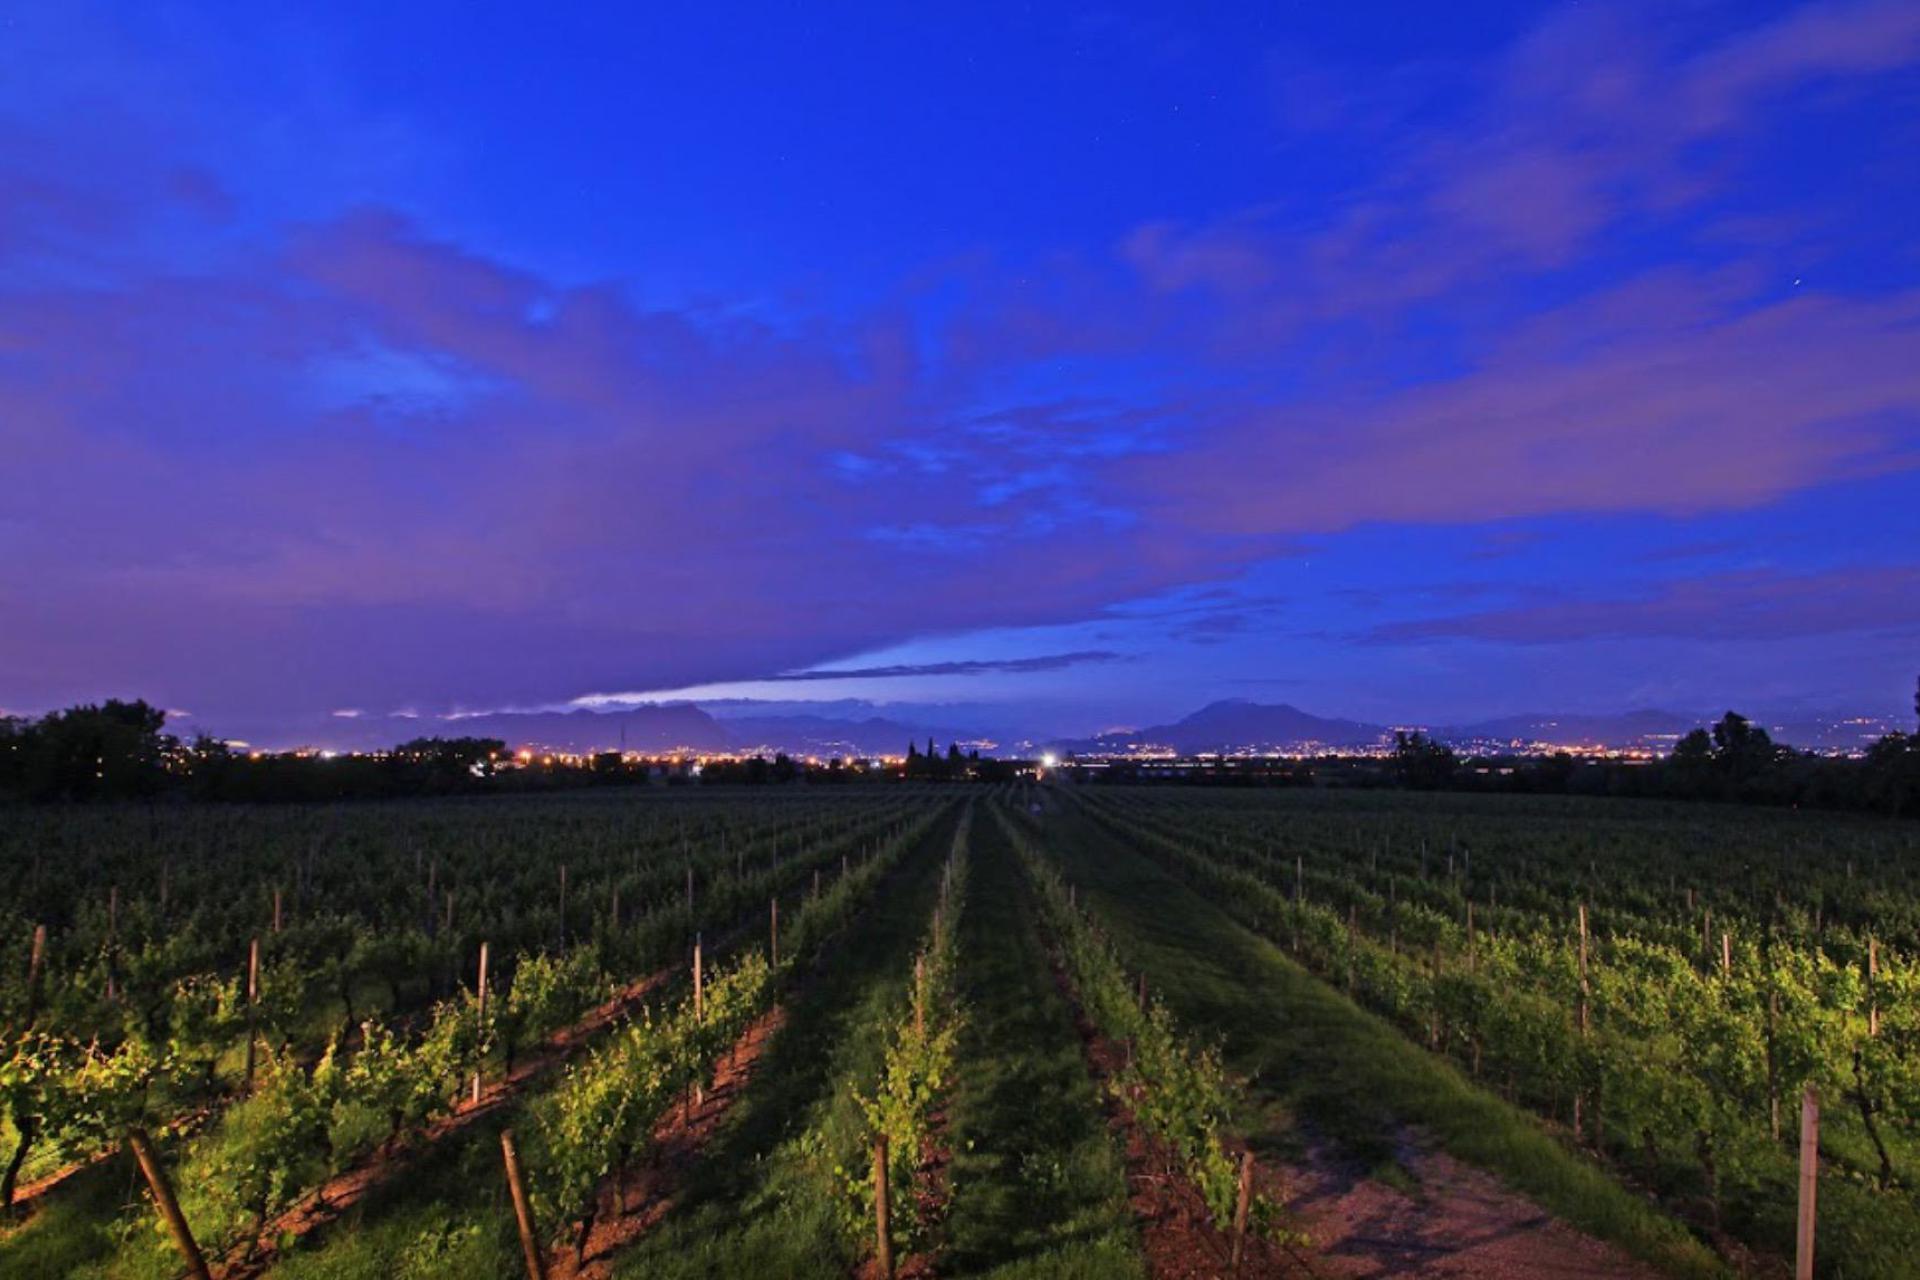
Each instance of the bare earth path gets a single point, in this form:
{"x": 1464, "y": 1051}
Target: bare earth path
{"x": 1461, "y": 1222}
{"x": 1458, "y": 1221}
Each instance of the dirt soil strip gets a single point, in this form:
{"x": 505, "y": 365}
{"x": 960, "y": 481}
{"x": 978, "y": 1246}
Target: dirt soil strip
{"x": 1177, "y": 1237}
{"x": 28, "y": 1192}
{"x": 648, "y": 1192}
{"x": 1461, "y": 1222}
{"x": 344, "y": 1190}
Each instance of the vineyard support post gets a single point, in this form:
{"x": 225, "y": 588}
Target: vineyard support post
{"x": 169, "y": 1207}
{"x": 1472, "y": 959}
{"x": 35, "y": 961}
{"x": 1584, "y": 989}
{"x": 1873, "y": 978}
{"x": 483, "y": 1016}
{"x": 113, "y": 939}
{"x": 1240, "y": 1209}
{"x": 773, "y": 930}
{"x": 253, "y": 997}
{"x": 882, "y": 1234}
{"x": 1773, "y": 1065}
{"x": 522, "y": 1209}
{"x": 699, "y": 984}
{"x": 276, "y": 910}
{"x": 1809, "y": 1183}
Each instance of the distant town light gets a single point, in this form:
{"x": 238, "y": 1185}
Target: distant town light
{"x": 1048, "y": 760}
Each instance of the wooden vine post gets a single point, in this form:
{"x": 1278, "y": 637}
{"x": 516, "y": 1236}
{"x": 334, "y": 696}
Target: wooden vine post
{"x": 920, "y": 994}
{"x": 36, "y": 960}
{"x": 1773, "y": 1063}
{"x": 773, "y": 930}
{"x": 1809, "y": 1183}
{"x": 1873, "y": 978}
{"x": 1299, "y": 878}
{"x": 1353, "y": 946}
{"x": 483, "y": 1016}
{"x": 276, "y": 911}
{"x": 522, "y": 1209}
{"x": 253, "y": 999}
{"x": 882, "y": 1234}
{"x": 176, "y": 1221}
{"x": 699, "y": 984}
{"x": 1579, "y": 1099}
{"x": 1584, "y": 989}
{"x": 1241, "y": 1208}
{"x": 113, "y": 939}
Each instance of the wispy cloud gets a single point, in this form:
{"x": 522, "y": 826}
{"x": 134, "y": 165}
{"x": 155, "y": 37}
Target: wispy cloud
{"x": 965, "y": 667}
{"x": 1733, "y": 607}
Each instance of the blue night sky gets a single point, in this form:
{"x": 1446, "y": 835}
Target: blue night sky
{"x": 1437, "y": 362}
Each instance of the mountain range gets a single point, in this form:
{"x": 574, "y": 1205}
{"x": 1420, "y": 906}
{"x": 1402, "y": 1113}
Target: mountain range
{"x": 1219, "y": 726}
{"x": 1237, "y": 724}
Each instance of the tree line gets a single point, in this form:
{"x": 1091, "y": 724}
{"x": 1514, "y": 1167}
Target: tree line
{"x": 1735, "y": 760}
{"x": 117, "y": 750}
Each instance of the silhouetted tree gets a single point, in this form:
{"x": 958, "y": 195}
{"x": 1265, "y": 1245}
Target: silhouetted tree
{"x": 1422, "y": 763}
{"x": 113, "y": 750}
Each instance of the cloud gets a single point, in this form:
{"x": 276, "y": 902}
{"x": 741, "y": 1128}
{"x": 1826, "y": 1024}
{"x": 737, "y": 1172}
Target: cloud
{"x": 528, "y": 490}
{"x": 967, "y": 667}
{"x": 359, "y": 460}
{"x": 1586, "y": 123}
{"x": 1665, "y": 396}
{"x": 1720, "y": 608}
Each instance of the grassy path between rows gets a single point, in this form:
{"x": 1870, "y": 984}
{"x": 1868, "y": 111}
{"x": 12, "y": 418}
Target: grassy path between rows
{"x": 760, "y": 1205}
{"x": 454, "y": 1219}
{"x": 1039, "y": 1185}
{"x": 1319, "y": 1065}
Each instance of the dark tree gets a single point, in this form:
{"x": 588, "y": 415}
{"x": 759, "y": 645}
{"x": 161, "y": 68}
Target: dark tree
{"x": 1421, "y": 763}
{"x": 114, "y": 750}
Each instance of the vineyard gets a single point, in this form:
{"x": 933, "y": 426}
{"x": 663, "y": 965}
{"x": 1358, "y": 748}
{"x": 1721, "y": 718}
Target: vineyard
{"x": 927, "y": 1029}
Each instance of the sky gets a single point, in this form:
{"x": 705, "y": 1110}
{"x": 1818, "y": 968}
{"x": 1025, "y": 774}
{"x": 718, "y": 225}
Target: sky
{"x": 1393, "y": 361}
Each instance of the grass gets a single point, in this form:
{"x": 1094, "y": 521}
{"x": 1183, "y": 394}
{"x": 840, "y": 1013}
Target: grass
{"x": 764, "y": 1202}
{"x": 73, "y": 1227}
{"x": 1313, "y": 1057}
{"x": 453, "y": 1219}
{"x": 1039, "y": 1185}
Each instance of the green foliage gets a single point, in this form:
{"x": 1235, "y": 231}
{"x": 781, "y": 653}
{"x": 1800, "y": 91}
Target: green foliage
{"x": 1697, "y": 1027}
{"x": 1178, "y": 1091}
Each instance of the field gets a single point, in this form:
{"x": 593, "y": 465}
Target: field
{"x": 1036, "y": 1030}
